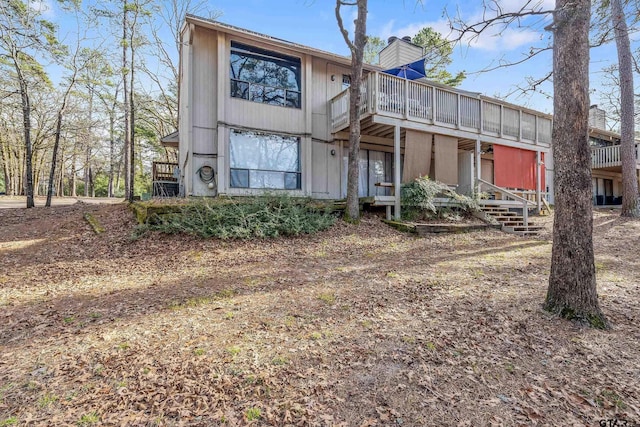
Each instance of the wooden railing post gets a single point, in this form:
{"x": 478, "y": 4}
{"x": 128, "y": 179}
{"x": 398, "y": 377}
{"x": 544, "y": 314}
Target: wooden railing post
{"x": 458, "y": 118}
{"x": 435, "y": 109}
{"x": 406, "y": 98}
{"x": 377, "y": 92}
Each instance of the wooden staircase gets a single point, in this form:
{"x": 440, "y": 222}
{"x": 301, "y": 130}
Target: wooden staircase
{"x": 511, "y": 222}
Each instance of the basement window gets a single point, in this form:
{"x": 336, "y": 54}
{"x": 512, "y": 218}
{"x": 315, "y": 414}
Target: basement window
{"x": 267, "y": 161}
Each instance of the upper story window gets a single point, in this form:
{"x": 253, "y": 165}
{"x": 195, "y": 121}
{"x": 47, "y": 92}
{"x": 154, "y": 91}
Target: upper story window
{"x": 346, "y": 81}
{"x": 266, "y": 77}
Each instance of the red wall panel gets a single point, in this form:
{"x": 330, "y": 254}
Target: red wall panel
{"x": 515, "y": 168}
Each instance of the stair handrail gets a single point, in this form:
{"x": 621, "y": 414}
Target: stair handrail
{"x": 525, "y": 202}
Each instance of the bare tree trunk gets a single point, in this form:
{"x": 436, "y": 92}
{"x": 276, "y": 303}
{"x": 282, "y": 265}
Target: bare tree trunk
{"x": 87, "y": 169}
{"x": 128, "y": 193}
{"x": 92, "y": 192}
{"x": 5, "y": 170}
{"x": 357, "y": 58}
{"x": 60, "y": 179}
{"x": 132, "y": 147}
{"x": 112, "y": 153}
{"x": 54, "y": 156}
{"x": 630, "y": 203}
{"x": 74, "y": 172}
{"x": 119, "y": 169}
{"x": 572, "y": 282}
{"x": 26, "y": 123}
{"x": 39, "y": 175}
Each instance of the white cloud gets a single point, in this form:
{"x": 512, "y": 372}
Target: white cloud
{"x": 506, "y": 40}
{"x": 527, "y": 5}
{"x": 495, "y": 38}
{"x": 412, "y": 29}
{"x": 43, "y": 7}
{"x": 491, "y": 40}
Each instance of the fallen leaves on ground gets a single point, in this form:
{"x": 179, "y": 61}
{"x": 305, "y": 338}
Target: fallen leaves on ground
{"x": 356, "y": 326}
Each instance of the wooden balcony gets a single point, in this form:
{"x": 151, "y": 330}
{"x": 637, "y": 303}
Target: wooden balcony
{"x": 395, "y": 97}
{"x": 609, "y": 157}
{"x": 164, "y": 171}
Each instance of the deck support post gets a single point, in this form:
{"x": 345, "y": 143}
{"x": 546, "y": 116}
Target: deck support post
{"x": 478, "y": 169}
{"x": 396, "y": 171}
{"x": 538, "y": 181}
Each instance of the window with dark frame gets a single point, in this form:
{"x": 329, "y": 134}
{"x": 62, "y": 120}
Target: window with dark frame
{"x": 346, "y": 81}
{"x": 266, "y": 77}
{"x": 264, "y": 161}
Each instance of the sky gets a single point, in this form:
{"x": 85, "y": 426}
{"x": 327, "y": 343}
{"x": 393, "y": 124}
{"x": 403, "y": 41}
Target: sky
{"x": 313, "y": 23}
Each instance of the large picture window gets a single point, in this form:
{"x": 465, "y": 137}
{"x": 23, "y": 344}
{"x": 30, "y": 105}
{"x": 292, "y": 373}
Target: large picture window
{"x": 264, "y": 161}
{"x": 266, "y": 77}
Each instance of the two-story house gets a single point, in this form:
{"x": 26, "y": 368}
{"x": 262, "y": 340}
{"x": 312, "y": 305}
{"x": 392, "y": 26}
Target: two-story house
{"x": 259, "y": 113}
{"x": 606, "y": 163}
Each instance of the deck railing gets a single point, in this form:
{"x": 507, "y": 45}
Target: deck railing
{"x": 392, "y": 96}
{"x": 164, "y": 171}
{"x": 606, "y": 157}
{"x": 340, "y": 105}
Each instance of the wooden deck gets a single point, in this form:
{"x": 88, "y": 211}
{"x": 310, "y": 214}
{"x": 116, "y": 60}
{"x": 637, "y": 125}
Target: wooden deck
{"x": 608, "y": 158}
{"x": 442, "y": 110}
{"x": 165, "y": 182}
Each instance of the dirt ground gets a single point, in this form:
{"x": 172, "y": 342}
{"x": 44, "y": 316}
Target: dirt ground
{"x": 355, "y": 326}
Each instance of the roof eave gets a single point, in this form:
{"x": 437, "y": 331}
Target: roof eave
{"x": 230, "y": 29}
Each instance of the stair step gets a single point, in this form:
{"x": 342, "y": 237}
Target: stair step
{"x": 513, "y": 222}
{"x": 508, "y": 218}
{"x": 523, "y": 230}
{"x": 502, "y": 214}
{"x": 512, "y": 219}
{"x": 494, "y": 209}
{"x": 528, "y": 228}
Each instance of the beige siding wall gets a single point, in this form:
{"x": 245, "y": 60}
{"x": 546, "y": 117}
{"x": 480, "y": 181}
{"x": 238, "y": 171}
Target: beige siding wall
{"x": 327, "y": 83}
{"x": 204, "y": 108}
{"x": 466, "y": 177}
{"x": 326, "y": 170}
{"x": 184, "y": 118}
{"x": 208, "y": 113}
{"x": 204, "y": 93}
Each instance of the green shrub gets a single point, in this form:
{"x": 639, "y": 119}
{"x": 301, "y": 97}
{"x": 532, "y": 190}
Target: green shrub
{"x": 258, "y": 217}
{"x": 417, "y": 198}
